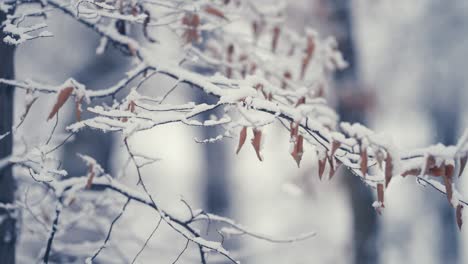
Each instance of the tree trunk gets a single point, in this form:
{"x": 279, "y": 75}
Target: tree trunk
{"x": 7, "y": 182}
{"x": 364, "y": 217}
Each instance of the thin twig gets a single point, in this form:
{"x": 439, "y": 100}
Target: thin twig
{"x": 110, "y": 229}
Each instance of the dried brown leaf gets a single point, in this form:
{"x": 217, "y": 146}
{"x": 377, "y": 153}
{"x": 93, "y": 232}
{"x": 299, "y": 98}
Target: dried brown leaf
{"x": 301, "y": 100}
{"x": 257, "y": 142}
{"x": 388, "y": 169}
{"x": 191, "y": 21}
{"x": 380, "y": 194}
{"x": 61, "y": 99}
{"x": 242, "y": 138}
{"x": 215, "y": 12}
{"x": 91, "y": 175}
{"x": 448, "y": 181}
{"x": 412, "y": 172}
{"x": 321, "y": 166}
{"x": 274, "y": 42}
{"x": 308, "y": 56}
{"x": 462, "y": 164}
{"x": 364, "y": 162}
{"x": 298, "y": 149}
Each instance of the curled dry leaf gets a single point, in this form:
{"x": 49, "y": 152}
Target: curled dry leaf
{"x": 191, "y": 21}
{"x": 131, "y": 108}
{"x": 449, "y": 169}
{"x": 334, "y": 147}
{"x": 437, "y": 171}
{"x": 61, "y": 99}
{"x": 321, "y": 166}
{"x": 257, "y": 143}
{"x": 301, "y": 101}
{"x": 412, "y": 172}
{"x": 459, "y": 214}
{"x": 388, "y": 169}
{"x": 242, "y": 138}
{"x": 308, "y": 56}
{"x": 331, "y": 159}
{"x": 274, "y": 42}
{"x": 214, "y": 12}
{"x": 462, "y": 164}
{"x": 91, "y": 175}
{"x": 298, "y": 149}
{"x": 380, "y": 194}
{"x": 364, "y": 162}
{"x": 332, "y": 170}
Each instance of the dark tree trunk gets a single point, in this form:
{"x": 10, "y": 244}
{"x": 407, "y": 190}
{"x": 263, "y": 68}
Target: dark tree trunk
{"x": 7, "y": 182}
{"x": 364, "y": 217}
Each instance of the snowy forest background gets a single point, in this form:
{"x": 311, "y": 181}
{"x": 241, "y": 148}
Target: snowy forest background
{"x": 407, "y": 64}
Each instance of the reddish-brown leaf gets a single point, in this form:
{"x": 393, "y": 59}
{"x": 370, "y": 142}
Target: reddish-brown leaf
{"x": 215, "y": 12}
{"x": 321, "y": 166}
{"x": 257, "y": 142}
{"x": 191, "y": 21}
{"x": 131, "y": 108}
{"x": 61, "y": 99}
{"x": 331, "y": 159}
{"x": 274, "y": 42}
{"x": 380, "y": 194}
{"x": 459, "y": 214}
{"x": 242, "y": 138}
{"x": 91, "y": 175}
{"x": 388, "y": 169}
{"x": 334, "y": 147}
{"x": 364, "y": 162}
{"x": 308, "y": 56}
{"x": 448, "y": 181}
{"x": 412, "y": 172}
{"x": 298, "y": 149}
{"x": 437, "y": 171}
{"x": 332, "y": 170}
{"x": 462, "y": 164}
{"x": 301, "y": 101}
